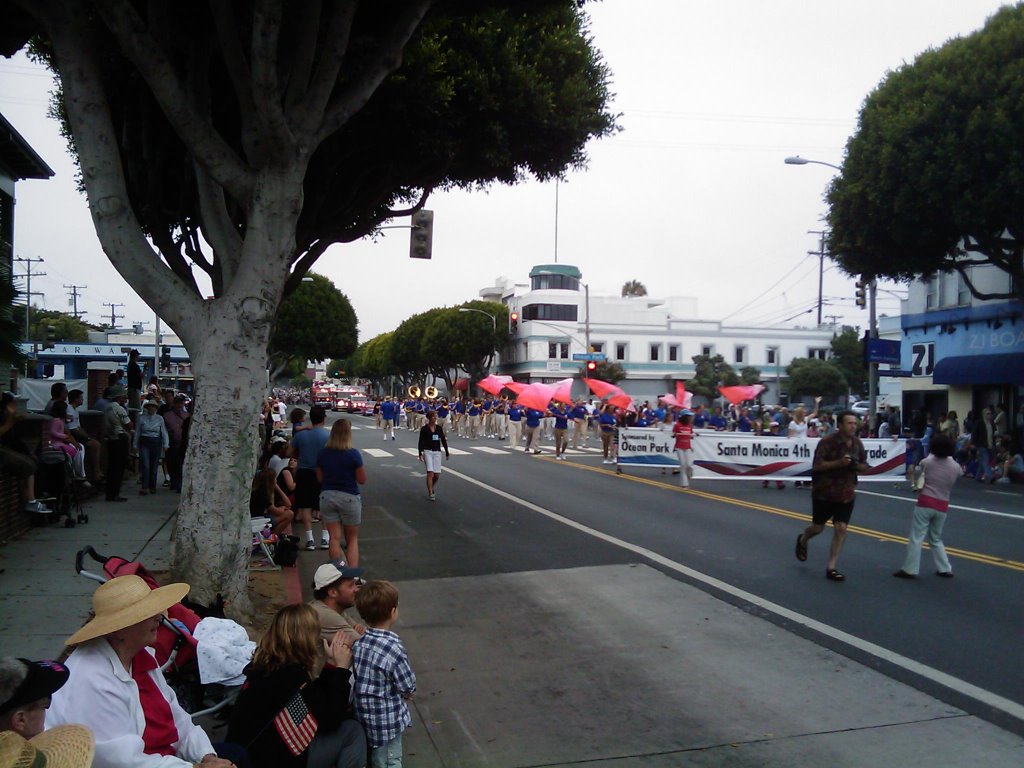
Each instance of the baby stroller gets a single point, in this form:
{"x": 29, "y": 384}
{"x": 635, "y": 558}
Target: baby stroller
{"x": 56, "y": 479}
{"x": 176, "y": 646}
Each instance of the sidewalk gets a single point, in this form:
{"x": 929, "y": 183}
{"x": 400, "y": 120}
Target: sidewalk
{"x": 613, "y": 666}
{"x": 42, "y": 600}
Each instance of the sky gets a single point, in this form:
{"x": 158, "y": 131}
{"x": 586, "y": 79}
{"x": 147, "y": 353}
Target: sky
{"x": 691, "y": 198}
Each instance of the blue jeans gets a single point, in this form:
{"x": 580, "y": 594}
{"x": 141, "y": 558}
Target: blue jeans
{"x": 388, "y": 756}
{"x": 984, "y": 464}
{"x": 149, "y": 458}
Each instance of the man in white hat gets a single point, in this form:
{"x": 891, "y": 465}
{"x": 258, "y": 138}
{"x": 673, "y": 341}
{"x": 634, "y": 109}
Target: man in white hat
{"x": 334, "y": 591}
{"x": 25, "y": 690}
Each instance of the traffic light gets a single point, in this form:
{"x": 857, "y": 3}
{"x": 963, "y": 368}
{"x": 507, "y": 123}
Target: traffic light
{"x": 513, "y": 321}
{"x": 51, "y": 337}
{"x": 422, "y": 238}
{"x": 861, "y": 285}
{"x": 165, "y": 358}
{"x": 591, "y": 366}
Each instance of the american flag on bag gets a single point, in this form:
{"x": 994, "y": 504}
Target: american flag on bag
{"x": 296, "y": 724}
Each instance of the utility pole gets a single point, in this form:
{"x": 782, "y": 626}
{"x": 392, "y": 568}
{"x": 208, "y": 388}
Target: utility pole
{"x": 73, "y": 294}
{"x": 872, "y": 367}
{"x": 113, "y": 317}
{"x": 29, "y": 274}
{"x": 820, "y": 253}
{"x": 833, "y": 318}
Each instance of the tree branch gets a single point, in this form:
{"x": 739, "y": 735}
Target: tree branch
{"x": 266, "y": 90}
{"x": 234, "y": 59}
{"x": 218, "y": 227}
{"x": 387, "y": 59}
{"x": 962, "y": 268}
{"x": 330, "y": 55}
{"x": 304, "y": 48}
{"x": 202, "y": 140}
{"x": 103, "y": 174}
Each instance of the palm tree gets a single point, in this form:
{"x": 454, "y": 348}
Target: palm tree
{"x": 633, "y": 288}
{"x": 10, "y": 330}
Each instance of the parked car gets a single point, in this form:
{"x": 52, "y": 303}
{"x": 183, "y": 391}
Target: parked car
{"x": 861, "y": 407}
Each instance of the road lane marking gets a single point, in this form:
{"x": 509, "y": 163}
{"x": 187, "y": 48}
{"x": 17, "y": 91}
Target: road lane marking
{"x": 977, "y": 557}
{"x": 378, "y": 453}
{"x": 488, "y": 449}
{"x": 951, "y": 506}
{"x": 963, "y": 687}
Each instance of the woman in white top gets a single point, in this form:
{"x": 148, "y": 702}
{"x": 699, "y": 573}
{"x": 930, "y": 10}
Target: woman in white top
{"x": 939, "y": 472}
{"x": 798, "y": 428}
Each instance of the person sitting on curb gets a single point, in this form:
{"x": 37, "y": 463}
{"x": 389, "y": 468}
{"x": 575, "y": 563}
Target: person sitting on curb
{"x": 25, "y": 690}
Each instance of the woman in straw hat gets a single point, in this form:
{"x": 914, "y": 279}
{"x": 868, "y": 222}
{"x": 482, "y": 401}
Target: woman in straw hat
{"x": 117, "y": 689}
{"x": 69, "y": 746}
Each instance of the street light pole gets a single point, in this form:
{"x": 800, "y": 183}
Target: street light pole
{"x": 494, "y": 320}
{"x": 797, "y": 160}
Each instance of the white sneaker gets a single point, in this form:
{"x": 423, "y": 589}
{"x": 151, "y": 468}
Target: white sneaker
{"x": 310, "y": 546}
{"x": 433, "y": 497}
{"x": 325, "y": 543}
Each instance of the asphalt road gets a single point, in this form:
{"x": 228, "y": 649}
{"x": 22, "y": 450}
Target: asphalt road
{"x": 733, "y": 540}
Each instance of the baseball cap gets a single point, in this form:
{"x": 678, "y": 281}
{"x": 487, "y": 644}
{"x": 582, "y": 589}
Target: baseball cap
{"x": 30, "y": 680}
{"x": 278, "y": 439}
{"x": 328, "y": 573}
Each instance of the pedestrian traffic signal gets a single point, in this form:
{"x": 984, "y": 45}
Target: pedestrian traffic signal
{"x": 591, "y": 366}
{"x": 861, "y": 294}
{"x": 165, "y": 358}
{"x": 422, "y": 237}
{"x": 513, "y": 321}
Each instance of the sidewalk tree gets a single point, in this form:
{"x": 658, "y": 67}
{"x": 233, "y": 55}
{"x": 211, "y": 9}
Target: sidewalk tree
{"x": 710, "y": 373}
{"x": 633, "y": 288}
{"x": 750, "y": 374}
{"x": 10, "y": 331}
{"x": 465, "y": 340}
{"x": 848, "y": 357}
{"x": 810, "y": 376}
{"x": 606, "y": 370}
{"x": 931, "y": 181}
{"x": 314, "y": 322}
{"x": 243, "y": 140}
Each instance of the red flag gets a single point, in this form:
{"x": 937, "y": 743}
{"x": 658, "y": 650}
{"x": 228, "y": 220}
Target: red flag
{"x": 296, "y": 724}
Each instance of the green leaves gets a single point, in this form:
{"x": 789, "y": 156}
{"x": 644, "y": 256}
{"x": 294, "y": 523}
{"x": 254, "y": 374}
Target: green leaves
{"x": 937, "y": 164}
{"x": 315, "y": 322}
{"x": 809, "y": 376}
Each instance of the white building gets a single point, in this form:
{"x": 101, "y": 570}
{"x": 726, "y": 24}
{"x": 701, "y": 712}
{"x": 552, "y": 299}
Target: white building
{"x": 653, "y": 339}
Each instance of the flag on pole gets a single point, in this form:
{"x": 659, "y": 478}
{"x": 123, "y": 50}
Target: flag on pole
{"x": 296, "y": 724}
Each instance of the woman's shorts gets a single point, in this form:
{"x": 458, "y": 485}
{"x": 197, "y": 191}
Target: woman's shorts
{"x": 307, "y": 489}
{"x": 341, "y": 507}
{"x": 432, "y": 461}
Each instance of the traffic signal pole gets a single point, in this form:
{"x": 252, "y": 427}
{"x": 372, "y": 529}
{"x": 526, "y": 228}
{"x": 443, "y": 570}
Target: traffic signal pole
{"x": 872, "y": 366}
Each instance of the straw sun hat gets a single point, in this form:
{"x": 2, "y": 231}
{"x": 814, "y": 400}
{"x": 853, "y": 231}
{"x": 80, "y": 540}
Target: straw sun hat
{"x": 66, "y": 746}
{"x": 124, "y": 601}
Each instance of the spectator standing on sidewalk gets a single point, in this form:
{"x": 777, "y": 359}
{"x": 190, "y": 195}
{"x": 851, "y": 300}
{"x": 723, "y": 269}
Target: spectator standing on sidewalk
{"x": 117, "y": 435}
{"x": 150, "y": 438}
{"x": 306, "y": 446}
{"x": 178, "y": 421}
{"x": 939, "y": 472}
{"x": 384, "y": 678}
{"x": 340, "y": 472}
{"x": 984, "y": 438}
{"x": 134, "y": 380}
{"x": 837, "y": 460}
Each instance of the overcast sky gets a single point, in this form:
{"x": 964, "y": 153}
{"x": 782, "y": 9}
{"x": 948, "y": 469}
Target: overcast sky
{"x": 692, "y": 198}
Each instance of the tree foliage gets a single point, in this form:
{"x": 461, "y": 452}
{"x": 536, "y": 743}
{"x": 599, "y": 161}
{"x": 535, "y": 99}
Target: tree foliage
{"x": 810, "y": 376}
{"x": 750, "y": 374}
{"x": 315, "y": 322}
{"x": 244, "y": 139}
{"x": 848, "y": 357}
{"x": 710, "y": 373}
{"x": 932, "y": 179}
{"x": 607, "y": 370}
{"x": 66, "y": 327}
{"x": 633, "y": 288}
{"x": 10, "y": 330}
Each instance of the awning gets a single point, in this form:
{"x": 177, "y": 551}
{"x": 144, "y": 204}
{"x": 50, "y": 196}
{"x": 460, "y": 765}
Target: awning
{"x": 980, "y": 369}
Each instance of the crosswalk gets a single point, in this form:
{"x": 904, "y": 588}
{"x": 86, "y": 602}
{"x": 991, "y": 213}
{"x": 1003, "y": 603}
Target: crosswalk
{"x": 494, "y": 450}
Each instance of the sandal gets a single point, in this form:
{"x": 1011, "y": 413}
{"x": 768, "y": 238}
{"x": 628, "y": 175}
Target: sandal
{"x": 833, "y": 575}
{"x": 801, "y": 548}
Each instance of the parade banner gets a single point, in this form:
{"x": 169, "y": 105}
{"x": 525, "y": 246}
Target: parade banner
{"x": 746, "y": 456}
{"x": 647, "y": 447}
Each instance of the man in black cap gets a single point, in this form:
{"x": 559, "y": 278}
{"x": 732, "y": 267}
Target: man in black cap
{"x": 25, "y": 690}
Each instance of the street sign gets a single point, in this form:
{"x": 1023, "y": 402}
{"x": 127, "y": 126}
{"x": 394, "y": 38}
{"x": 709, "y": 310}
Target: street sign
{"x": 894, "y": 372}
{"x": 581, "y": 357}
{"x": 883, "y": 351}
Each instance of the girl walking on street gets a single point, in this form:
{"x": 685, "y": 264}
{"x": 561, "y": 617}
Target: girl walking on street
{"x": 939, "y": 472}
